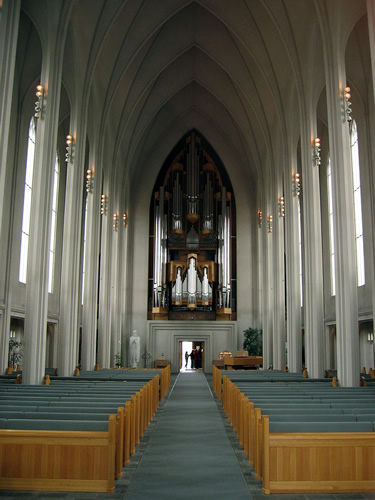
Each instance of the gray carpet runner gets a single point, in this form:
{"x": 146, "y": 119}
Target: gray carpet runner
{"x": 189, "y": 454}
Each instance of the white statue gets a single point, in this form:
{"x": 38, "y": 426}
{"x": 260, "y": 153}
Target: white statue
{"x": 134, "y": 349}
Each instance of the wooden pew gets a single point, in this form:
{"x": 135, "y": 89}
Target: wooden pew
{"x": 317, "y": 462}
{"x": 58, "y": 460}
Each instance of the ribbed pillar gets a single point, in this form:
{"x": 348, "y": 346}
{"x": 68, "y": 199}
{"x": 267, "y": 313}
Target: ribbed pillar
{"x": 348, "y": 365}
{"x": 267, "y": 293}
{"x": 95, "y": 222}
{"x": 9, "y": 20}
{"x": 371, "y": 25}
{"x": 312, "y": 255}
{"x": 278, "y": 343}
{"x": 39, "y": 236}
{"x": 70, "y": 297}
{"x": 115, "y": 320}
{"x": 293, "y": 296}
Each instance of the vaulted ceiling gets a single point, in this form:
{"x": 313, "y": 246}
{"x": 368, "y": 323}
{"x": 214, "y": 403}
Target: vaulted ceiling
{"x": 232, "y": 69}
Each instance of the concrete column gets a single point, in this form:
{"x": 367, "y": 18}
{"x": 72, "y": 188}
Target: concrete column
{"x": 371, "y": 25}
{"x": 293, "y": 296}
{"x": 70, "y": 294}
{"x": 267, "y": 290}
{"x": 348, "y": 365}
{"x": 95, "y": 225}
{"x": 279, "y": 359}
{"x": 9, "y": 20}
{"x": 38, "y": 253}
{"x": 312, "y": 254}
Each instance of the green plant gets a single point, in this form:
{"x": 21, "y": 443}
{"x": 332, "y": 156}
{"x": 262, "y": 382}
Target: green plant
{"x": 118, "y": 359}
{"x": 253, "y": 341}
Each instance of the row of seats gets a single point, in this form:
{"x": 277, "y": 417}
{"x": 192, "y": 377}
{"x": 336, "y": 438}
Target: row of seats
{"x": 95, "y": 421}
{"x": 284, "y": 420}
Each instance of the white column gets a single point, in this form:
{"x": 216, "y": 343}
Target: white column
{"x": 293, "y": 296}
{"x": 39, "y": 236}
{"x": 279, "y": 288}
{"x": 115, "y": 332}
{"x": 267, "y": 292}
{"x": 9, "y": 20}
{"x": 312, "y": 255}
{"x": 95, "y": 224}
{"x": 371, "y": 25}
{"x": 348, "y": 365}
{"x": 70, "y": 297}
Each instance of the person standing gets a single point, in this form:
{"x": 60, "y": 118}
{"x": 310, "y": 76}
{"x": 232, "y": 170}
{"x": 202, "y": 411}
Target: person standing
{"x": 186, "y": 358}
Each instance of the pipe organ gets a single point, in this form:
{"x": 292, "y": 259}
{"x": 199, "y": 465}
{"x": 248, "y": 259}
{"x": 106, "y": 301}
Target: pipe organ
{"x": 192, "y": 237}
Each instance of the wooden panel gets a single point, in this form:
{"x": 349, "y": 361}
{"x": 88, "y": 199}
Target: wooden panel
{"x": 58, "y": 460}
{"x": 317, "y": 462}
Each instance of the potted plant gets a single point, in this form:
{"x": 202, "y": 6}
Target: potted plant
{"x": 253, "y": 341}
{"x": 118, "y": 359}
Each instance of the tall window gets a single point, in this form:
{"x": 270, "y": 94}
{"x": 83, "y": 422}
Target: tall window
{"x": 27, "y": 201}
{"x": 331, "y": 226}
{"x": 52, "y": 244}
{"x": 357, "y": 203}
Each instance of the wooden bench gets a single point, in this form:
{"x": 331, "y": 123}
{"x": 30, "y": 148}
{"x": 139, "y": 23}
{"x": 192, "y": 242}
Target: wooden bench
{"x": 58, "y": 460}
{"x": 318, "y": 461}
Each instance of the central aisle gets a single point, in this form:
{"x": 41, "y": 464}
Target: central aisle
{"x": 189, "y": 454}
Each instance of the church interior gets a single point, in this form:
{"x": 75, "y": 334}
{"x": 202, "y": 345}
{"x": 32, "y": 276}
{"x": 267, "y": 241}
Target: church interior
{"x": 175, "y": 173}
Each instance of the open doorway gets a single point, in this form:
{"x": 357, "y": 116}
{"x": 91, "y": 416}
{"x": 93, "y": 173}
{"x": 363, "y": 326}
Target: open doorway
{"x": 191, "y": 355}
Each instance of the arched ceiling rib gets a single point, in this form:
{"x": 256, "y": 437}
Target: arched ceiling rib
{"x": 197, "y": 31}
{"x": 227, "y": 64}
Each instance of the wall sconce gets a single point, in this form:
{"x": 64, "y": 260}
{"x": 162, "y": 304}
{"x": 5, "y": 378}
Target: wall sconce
{"x": 370, "y": 337}
{"x": 69, "y": 149}
{"x": 347, "y": 104}
{"x": 316, "y": 152}
{"x": 89, "y": 180}
{"x": 269, "y": 223}
{"x": 125, "y": 219}
{"x": 115, "y": 222}
{"x": 103, "y": 204}
{"x": 39, "y": 101}
{"x": 297, "y": 184}
{"x": 260, "y": 218}
{"x": 282, "y": 206}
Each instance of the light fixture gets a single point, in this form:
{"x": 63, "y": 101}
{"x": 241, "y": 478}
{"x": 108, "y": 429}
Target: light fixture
{"x": 316, "y": 152}
{"x": 103, "y": 204}
{"x": 281, "y": 206}
{"x": 89, "y": 180}
{"x": 347, "y": 104}
{"x": 69, "y": 149}
{"x": 39, "y": 101}
{"x": 260, "y": 218}
{"x": 370, "y": 337}
{"x": 115, "y": 222}
{"x": 269, "y": 223}
{"x": 297, "y": 184}
{"x": 125, "y": 219}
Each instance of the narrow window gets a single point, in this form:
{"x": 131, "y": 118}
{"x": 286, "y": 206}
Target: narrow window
{"x": 27, "y": 201}
{"x": 331, "y": 226}
{"x": 52, "y": 245}
{"x": 357, "y": 203}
